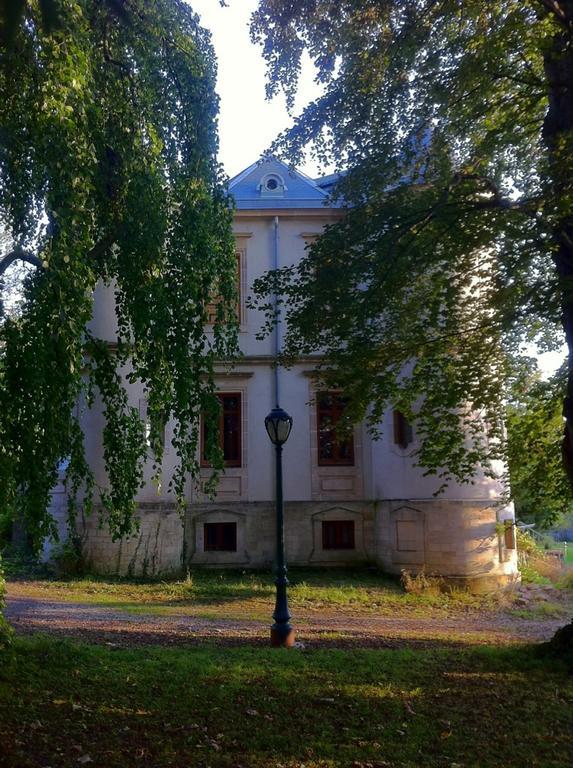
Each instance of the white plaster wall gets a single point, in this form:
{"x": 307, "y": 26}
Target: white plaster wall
{"x": 393, "y": 475}
{"x": 383, "y": 473}
{"x": 255, "y": 234}
{"x": 387, "y": 471}
{"x": 103, "y": 324}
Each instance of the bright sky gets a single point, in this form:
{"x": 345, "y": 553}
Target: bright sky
{"x": 247, "y": 122}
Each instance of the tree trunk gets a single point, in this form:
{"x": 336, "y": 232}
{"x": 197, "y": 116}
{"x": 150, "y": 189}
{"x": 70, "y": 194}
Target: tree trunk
{"x": 558, "y": 136}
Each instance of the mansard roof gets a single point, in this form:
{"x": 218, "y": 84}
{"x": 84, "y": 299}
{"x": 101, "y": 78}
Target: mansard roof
{"x": 271, "y": 184}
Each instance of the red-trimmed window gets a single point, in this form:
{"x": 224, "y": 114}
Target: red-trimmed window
{"x": 228, "y": 430}
{"x": 220, "y": 537}
{"x": 333, "y": 449}
{"x": 338, "y": 534}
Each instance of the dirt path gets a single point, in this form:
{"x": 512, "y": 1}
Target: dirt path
{"x": 100, "y": 624}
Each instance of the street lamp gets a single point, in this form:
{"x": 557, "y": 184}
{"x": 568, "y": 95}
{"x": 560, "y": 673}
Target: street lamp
{"x": 278, "y": 425}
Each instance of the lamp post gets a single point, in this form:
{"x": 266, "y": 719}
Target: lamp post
{"x": 278, "y": 425}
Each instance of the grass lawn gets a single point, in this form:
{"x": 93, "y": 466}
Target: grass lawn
{"x": 65, "y": 704}
{"x": 249, "y": 594}
{"x": 446, "y": 703}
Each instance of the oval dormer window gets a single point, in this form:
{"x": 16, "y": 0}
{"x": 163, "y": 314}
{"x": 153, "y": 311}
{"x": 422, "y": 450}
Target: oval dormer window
{"x": 272, "y": 183}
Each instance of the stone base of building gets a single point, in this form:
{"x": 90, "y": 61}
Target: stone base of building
{"x": 156, "y": 549}
{"x": 460, "y": 541}
{"x": 483, "y": 584}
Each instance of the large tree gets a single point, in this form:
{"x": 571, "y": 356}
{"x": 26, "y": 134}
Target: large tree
{"x": 539, "y": 487}
{"x": 108, "y": 174}
{"x": 452, "y": 122}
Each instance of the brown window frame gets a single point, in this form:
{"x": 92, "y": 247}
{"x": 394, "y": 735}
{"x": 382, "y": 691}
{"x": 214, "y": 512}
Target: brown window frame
{"x": 338, "y": 534}
{"x": 238, "y": 412}
{"x": 335, "y": 413}
{"x": 402, "y": 429}
{"x": 212, "y": 305}
{"x": 219, "y": 534}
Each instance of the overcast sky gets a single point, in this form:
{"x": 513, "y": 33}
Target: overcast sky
{"x": 247, "y": 122}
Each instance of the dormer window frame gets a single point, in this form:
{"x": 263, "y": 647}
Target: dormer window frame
{"x": 272, "y": 185}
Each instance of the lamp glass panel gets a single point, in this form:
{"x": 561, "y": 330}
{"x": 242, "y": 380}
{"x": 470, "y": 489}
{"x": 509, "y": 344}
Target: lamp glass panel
{"x": 270, "y": 426}
{"x": 283, "y": 429}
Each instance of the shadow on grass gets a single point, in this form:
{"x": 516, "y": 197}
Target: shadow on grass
{"x": 254, "y": 707}
{"x": 132, "y": 631}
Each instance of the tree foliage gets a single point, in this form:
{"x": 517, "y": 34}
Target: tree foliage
{"x": 5, "y": 631}
{"x": 451, "y": 124}
{"x": 539, "y": 487}
{"x": 108, "y": 175}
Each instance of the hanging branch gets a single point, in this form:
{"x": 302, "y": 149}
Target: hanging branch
{"x": 18, "y": 254}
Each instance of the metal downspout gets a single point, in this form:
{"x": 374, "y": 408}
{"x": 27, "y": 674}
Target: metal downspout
{"x": 277, "y": 313}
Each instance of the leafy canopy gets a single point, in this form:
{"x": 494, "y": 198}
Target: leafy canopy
{"x": 457, "y": 175}
{"x": 539, "y": 487}
{"x": 108, "y": 176}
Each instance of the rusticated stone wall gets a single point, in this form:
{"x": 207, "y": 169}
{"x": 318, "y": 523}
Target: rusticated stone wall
{"x": 459, "y": 540}
{"x": 155, "y": 549}
{"x": 303, "y": 533}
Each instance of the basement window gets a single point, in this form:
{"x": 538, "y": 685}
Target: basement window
{"x": 220, "y": 537}
{"x": 338, "y": 534}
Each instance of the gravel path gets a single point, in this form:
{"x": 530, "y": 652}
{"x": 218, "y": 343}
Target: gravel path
{"x": 100, "y": 624}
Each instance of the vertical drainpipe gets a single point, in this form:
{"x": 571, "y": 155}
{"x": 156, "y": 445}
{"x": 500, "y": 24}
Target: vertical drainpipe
{"x": 277, "y": 311}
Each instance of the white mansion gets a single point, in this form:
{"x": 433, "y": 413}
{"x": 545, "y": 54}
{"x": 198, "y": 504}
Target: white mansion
{"x": 346, "y": 501}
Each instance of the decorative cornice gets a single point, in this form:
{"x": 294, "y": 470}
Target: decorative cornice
{"x": 290, "y": 213}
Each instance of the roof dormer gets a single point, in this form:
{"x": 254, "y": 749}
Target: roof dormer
{"x": 263, "y": 186}
{"x": 272, "y": 185}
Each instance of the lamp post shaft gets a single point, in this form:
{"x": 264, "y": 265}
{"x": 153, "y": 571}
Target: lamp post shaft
{"x": 281, "y": 632}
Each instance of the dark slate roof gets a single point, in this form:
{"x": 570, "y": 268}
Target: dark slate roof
{"x": 328, "y": 182}
{"x": 294, "y": 190}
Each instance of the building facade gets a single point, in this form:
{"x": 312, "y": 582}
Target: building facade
{"x": 347, "y": 501}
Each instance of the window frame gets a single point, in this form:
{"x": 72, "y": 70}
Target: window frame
{"x": 335, "y": 531}
{"x": 402, "y": 431}
{"x": 336, "y": 460}
{"x": 220, "y": 538}
{"x": 238, "y": 462}
{"x": 212, "y": 305}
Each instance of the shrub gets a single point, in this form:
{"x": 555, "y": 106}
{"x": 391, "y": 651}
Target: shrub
{"x": 567, "y": 580}
{"x": 68, "y": 558}
{"x": 420, "y": 583}
{"x": 538, "y": 564}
